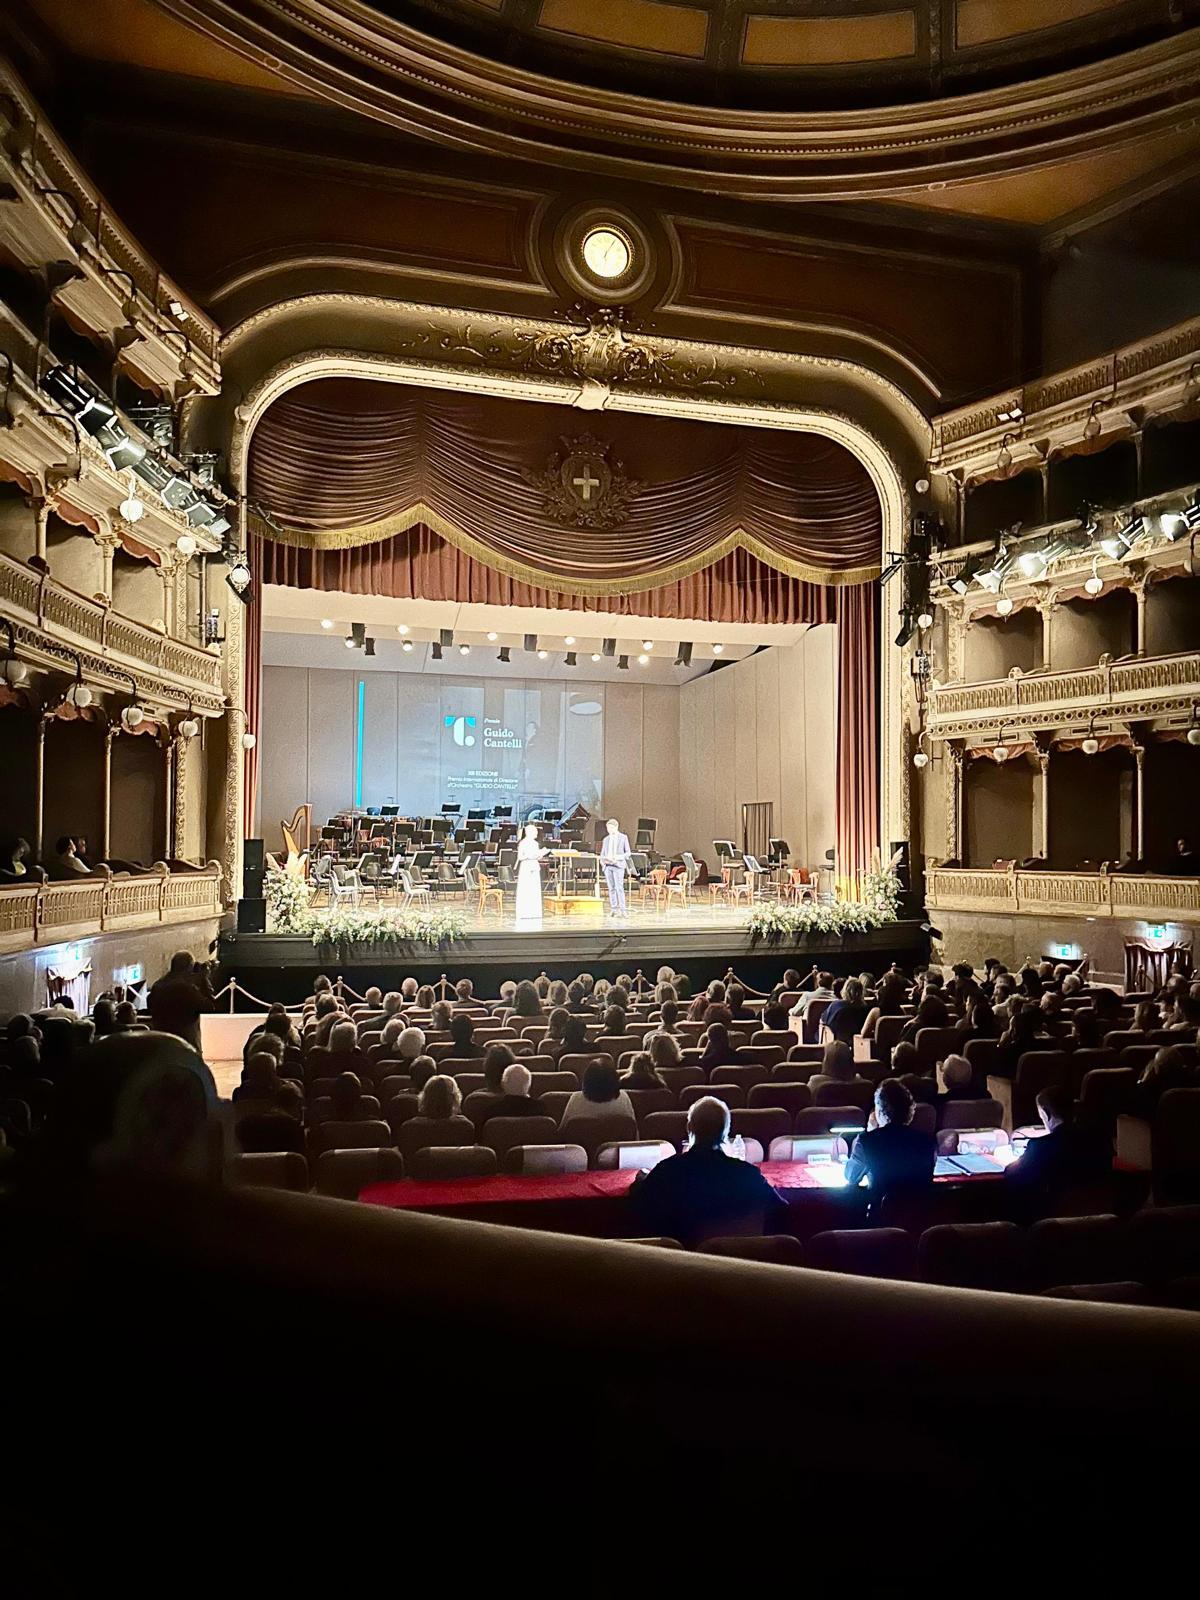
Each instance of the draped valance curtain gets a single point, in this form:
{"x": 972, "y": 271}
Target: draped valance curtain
{"x": 386, "y": 489}
{"x": 343, "y": 463}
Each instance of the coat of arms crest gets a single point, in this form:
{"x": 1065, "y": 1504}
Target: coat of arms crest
{"x": 584, "y": 484}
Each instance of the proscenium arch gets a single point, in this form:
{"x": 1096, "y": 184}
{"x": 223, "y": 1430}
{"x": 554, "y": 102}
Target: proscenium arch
{"x": 864, "y": 443}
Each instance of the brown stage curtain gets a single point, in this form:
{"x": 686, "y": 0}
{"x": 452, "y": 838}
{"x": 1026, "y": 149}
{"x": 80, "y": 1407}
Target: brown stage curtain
{"x": 345, "y": 462}
{"x": 857, "y": 812}
{"x": 418, "y": 565}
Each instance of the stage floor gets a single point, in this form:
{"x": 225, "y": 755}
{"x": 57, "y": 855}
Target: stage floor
{"x": 640, "y": 919}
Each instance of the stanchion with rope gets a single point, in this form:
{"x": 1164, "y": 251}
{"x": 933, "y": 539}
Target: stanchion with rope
{"x": 233, "y": 988}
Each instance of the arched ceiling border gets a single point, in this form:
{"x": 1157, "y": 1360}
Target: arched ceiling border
{"x": 353, "y": 56}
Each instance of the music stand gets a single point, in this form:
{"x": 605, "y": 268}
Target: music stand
{"x": 502, "y": 811}
{"x": 451, "y": 811}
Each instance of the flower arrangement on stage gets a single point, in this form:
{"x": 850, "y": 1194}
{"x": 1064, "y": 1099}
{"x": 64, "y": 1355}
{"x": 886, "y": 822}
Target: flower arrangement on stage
{"x": 879, "y": 904}
{"x": 288, "y": 897}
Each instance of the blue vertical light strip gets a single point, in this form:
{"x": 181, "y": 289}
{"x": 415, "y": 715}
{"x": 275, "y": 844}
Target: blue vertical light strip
{"x": 358, "y": 742}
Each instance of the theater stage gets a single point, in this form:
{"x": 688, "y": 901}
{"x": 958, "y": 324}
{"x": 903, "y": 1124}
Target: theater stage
{"x": 703, "y": 941}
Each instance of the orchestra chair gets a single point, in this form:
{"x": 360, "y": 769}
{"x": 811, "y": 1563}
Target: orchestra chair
{"x": 344, "y": 1174}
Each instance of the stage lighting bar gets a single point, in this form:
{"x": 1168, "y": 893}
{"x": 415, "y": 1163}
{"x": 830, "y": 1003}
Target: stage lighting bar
{"x": 531, "y": 644}
{"x": 435, "y": 650}
{"x": 446, "y": 638}
{"x": 609, "y": 647}
{"x": 623, "y": 663}
{"x": 504, "y": 654}
{"x": 99, "y": 418}
{"x": 570, "y": 659}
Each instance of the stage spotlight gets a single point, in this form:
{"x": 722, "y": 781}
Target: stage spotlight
{"x": 570, "y": 659}
{"x": 492, "y": 636}
{"x": 1004, "y": 605}
{"x": 1173, "y": 525}
{"x": 531, "y": 642}
{"x": 683, "y": 656}
{"x": 327, "y": 623}
{"x": 643, "y": 660}
{"x": 435, "y": 650}
{"x": 609, "y": 647}
{"x": 1031, "y": 564}
{"x": 349, "y": 643}
{"x": 543, "y": 655}
{"x": 368, "y": 647}
{"x": 464, "y": 649}
{"x": 504, "y": 654}
{"x": 407, "y": 646}
{"x": 446, "y": 638}
{"x": 907, "y": 628}
{"x": 569, "y": 640}
{"x": 647, "y": 644}
{"x": 623, "y": 663}
{"x": 718, "y": 649}
{"x": 402, "y": 628}
{"x": 596, "y": 656}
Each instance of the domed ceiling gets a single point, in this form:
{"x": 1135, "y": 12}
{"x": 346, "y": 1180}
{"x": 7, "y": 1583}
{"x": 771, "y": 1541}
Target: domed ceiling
{"x": 790, "y": 53}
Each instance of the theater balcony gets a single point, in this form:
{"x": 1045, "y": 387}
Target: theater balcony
{"x": 109, "y": 902}
{"x": 54, "y": 222}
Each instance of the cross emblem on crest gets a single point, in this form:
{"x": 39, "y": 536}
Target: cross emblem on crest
{"x": 584, "y": 484}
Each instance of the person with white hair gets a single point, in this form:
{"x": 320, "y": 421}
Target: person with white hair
{"x": 958, "y": 1080}
{"x": 515, "y": 1099}
{"x": 410, "y": 1044}
{"x": 704, "y": 1192}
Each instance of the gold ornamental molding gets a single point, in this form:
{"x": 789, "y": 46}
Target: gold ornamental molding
{"x": 58, "y": 913}
{"x": 353, "y": 56}
{"x": 1011, "y": 891}
{"x": 1128, "y": 691}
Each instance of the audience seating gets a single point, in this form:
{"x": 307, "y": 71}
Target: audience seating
{"x": 1036, "y": 1070}
{"x": 545, "y": 1158}
{"x": 763, "y": 1123}
{"x": 935, "y": 1044}
{"x": 971, "y": 1114}
{"x": 412, "y": 1135}
{"x": 791, "y": 1097}
{"x": 343, "y": 1174}
{"x": 432, "y": 1163}
{"x": 858, "y": 1093}
{"x": 744, "y": 1077}
{"x": 974, "y": 1255}
{"x": 865, "y": 1252}
{"x": 285, "y": 1170}
{"x": 502, "y": 1133}
{"x": 825, "y": 1119}
{"x": 1106, "y": 1093}
{"x": 732, "y": 1094}
{"x": 668, "y": 1125}
{"x": 1075, "y": 1250}
{"x": 645, "y": 1101}
{"x": 777, "y": 1249}
{"x": 643, "y": 1153}
{"x": 369, "y": 1134}
{"x": 1175, "y": 1148}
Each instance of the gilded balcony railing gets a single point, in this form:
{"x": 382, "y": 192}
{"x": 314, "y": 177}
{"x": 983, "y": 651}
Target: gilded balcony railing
{"x": 51, "y": 913}
{"x": 1144, "y": 897}
{"x": 1139, "y": 688}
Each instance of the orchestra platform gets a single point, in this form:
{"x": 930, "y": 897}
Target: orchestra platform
{"x": 702, "y": 940}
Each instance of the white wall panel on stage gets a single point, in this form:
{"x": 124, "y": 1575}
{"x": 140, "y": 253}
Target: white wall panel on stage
{"x": 330, "y": 754}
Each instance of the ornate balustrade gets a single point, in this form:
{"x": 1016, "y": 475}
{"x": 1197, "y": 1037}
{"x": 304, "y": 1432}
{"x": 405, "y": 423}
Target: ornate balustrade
{"x": 52, "y": 623}
{"x": 1138, "y": 690}
{"x": 55, "y": 913}
{"x": 1073, "y": 894}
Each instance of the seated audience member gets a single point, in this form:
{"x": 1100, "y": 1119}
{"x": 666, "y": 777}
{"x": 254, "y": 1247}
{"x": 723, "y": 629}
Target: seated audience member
{"x": 425, "y": 998}
{"x": 1050, "y": 1005}
{"x": 683, "y": 987}
{"x": 557, "y": 995}
{"x": 127, "y": 1017}
{"x": 668, "y": 1017}
{"x": 574, "y": 1041}
{"x": 462, "y": 1034}
{"x": 66, "y": 863}
{"x": 1029, "y": 982}
{"x": 889, "y": 1002}
{"x": 932, "y": 1012}
{"x": 613, "y": 1025}
{"x": 718, "y": 1011}
{"x": 16, "y": 865}
{"x": 410, "y": 1043}
{"x": 514, "y": 1099}
{"x": 713, "y": 995}
{"x": 601, "y": 990}
{"x": 1169, "y": 1069}
{"x": 344, "y": 1054}
{"x": 439, "y": 1016}
{"x": 641, "y": 1074}
{"x": 704, "y": 1192}
{"x": 326, "y": 1012}
{"x": 419, "y": 1074}
{"x": 1184, "y": 1016}
{"x": 526, "y": 1002}
{"x": 577, "y": 998}
{"x": 735, "y": 999}
{"x": 393, "y": 1004}
{"x": 389, "y": 1041}
{"x": 408, "y": 991}
{"x": 179, "y": 999}
{"x": 556, "y": 1026}
{"x": 618, "y": 999}
{"x": 1072, "y": 984}
{"x": 464, "y": 992}
{"x": 664, "y": 1050}
{"x": 440, "y": 1101}
{"x": 1187, "y": 860}
{"x": 1067, "y": 1153}
{"x": 837, "y": 1066}
{"x": 664, "y": 992}
{"x": 844, "y": 1017}
{"x": 958, "y": 1080}
{"x": 821, "y": 989}
{"x": 1025, "y": 1032}
{"x": 893, "y": 1156}
{"x": 587, "y": 983}
{"x": 104, "y": 1018}
{"x": 260, "y": 1079}
{"x": 279, "y": 1128}
{"x": 497, "y": 1059}
{"x": 346, "y": 1096}
{"x": 507, "y": 990}
{"x": 979, "y": 1021}
{"x": 1146, "y": 1018}
{"x": 719, "y": 1050}
{"x": 24, "y": 1058}
{"x": 775, "y": 1019}
{"x": 790, "y": 979}
{"x": 541, "y": 986}
{"x": 600, "y": 1096}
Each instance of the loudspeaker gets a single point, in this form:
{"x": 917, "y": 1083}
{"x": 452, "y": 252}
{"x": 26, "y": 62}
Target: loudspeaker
{"x": 252, "y": 915}
{"x": 253, "y": 869}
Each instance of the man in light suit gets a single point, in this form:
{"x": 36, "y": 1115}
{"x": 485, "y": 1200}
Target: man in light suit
{"x": 615, "y": 856}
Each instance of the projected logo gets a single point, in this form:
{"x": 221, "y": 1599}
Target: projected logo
{"x": 459, "y": 729}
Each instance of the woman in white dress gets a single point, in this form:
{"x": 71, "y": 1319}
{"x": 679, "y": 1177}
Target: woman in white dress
{"x": 529, "y": 876}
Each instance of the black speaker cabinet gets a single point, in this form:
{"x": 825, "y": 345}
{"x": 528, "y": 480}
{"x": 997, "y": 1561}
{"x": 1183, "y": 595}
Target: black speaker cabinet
{"x": 253, "y": 869}
{"x": 252, "y": 915}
